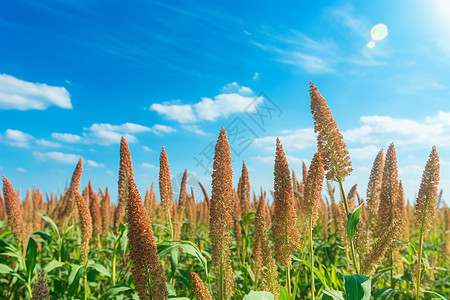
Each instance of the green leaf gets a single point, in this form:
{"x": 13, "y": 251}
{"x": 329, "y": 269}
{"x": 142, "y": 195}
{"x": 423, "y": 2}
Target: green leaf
{"x": 53, "y": 265}
{"x": 436, "y": 294}
{"x": 332, "y": 295}
{"x": 187, "y": 248}
{"x": 259, "y": 296}
{"x": 385, "y": 293}
{"x": 4, "y": 269}
{"x": 357, "y": 287}
{"x": 100, "y": 268}
{"x": 49, "y": 220}
{"x": 31, "y": 256}
{"x": 353, "y": 219}
{"x": 298, "y": 193}
{"x": 43, "y": 235}
{"x": 319, "y": 275}
{"x": 284, "y": 295}
{"x": 74, "y": 278}
{"x": 115, "y": 290}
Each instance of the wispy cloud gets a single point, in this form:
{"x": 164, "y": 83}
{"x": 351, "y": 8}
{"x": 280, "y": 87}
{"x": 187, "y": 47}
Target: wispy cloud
{"x": 148, "y": 166}
{"x": 298, "y": 139}
{"x": 17, "y": 94}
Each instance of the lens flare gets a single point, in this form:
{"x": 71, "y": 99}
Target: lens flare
{"x": 379, "y": 32}
{"x": 370, "y": 44}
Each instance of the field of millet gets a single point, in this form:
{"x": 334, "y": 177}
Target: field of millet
{"x": 313, "y": 241}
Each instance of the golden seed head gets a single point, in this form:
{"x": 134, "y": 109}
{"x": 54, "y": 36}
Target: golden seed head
{"x": 94, "y": 208}
{"x": 389, "y": 191}
{"x": 12, "y": 204}
{"x": 374, "y": 185}
{"x": 147, "y": 269}
{"x": 286, "y": 234}
{"x": 105, "y": 210}
{"x": 198, "y": 287}
{"x": 165, "y": 185}
{"x": 313, "y": 188}
{"x": 221, "y": 211}
{"x": 245, "y": 191}
{"x": 330, "y": 142}
{"x": 427, "y": 199}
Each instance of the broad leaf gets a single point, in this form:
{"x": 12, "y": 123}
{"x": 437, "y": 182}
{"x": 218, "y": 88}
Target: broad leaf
{"x": 353, "y": 219}
{"x": 4, "y": 269}
{"x": 357, "y": 287}
{"x": 31, "y": 256}
{"x": 115, "y": 290}
{"x": 332, "y": 295}
{"x": 53, "y": 265}
{"x": 259, "y": 296}
{"x": 74, "y": 278}
{"x": 49, "y": 220}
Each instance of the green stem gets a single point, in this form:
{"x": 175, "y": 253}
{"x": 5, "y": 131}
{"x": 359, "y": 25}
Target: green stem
{"x": 355, "y": 264}
{"x": 392, "y": 269}
{"x": 113, "y": 267}
{"x": 170, "y": 223}
{"x": 288, "y": 280}
{"x": 312, "y": 256}
{"x": 418, "y": 267}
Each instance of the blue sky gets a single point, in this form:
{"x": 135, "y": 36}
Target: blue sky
{"x": 76, "y": 75}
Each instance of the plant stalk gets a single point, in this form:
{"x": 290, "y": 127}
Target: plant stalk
{"x": 312, "y": 256}
{"x": 419, "y": 266}
{"x": 355, "y": 264}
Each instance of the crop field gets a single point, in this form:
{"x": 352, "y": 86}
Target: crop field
{"x": 306, "y": 238}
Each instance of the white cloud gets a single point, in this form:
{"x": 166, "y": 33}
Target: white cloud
{"x": 148, "y": 165}
{"x": 147, "y": 149}
{"x": 126, "y": 127}
{"x": 17, "y": 138}
{"x": 234, "y": 99}
{"x": 256, "y": 76}
{"x": 225, "y": 104}
{"x": 294, "y": 162}
{"x": 45, "y": 143}
{"x": 21, "y": 170}
{"x": 17, "y": 94}
{"x": 364, "y": 153}
{"x": 160, "y": 129}
{"x": 194, "y": 128}
{"x": 57, "y": 157}
{"x": 94, "y": 164}
{"x": 433, "y": 130}
{"x": 64, "y": 158}
{"x": 291, "y": 139}
{"x": 181, "y": 113}
{"x": 66, "y": 137}
{"x": 109, "y": 172}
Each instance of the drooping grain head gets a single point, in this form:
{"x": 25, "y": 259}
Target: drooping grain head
{"x": 86, "y": 224}
{"x": 198, "y": 287}
{"x": 147, "y": 269}
{"x": 286, "y": 234}
{"x": 427, "y": 199}
{"x": 330, "y": 142}
{"x": 221, "y": 211}
{"x": 2, "y": 208}
{"x": 403, "y": 213}
{"x": 12, "y": 204}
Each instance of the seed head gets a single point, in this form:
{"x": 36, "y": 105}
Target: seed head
{"x": 40, "y": 288}
{"x": 198, "y": 287}
{"x": 330, "y": 142}
{"x": 125, "y": 173}
{"x": 105, "y": 210}
{"x": 12, "y": 204}
{"x": 286, "y": 235}
{"x": 245, "y": 191}
{"x": 165, "y": 185}
{"x": 313, "y": 188}
{"x": 427, "y": 199}
{"x": 221, "y": 210}
{"x": 94, "y": 209}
